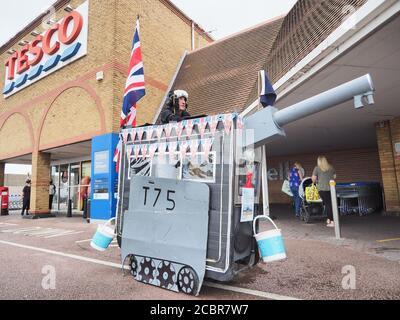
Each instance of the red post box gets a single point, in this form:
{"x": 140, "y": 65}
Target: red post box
{"x": 4, "y": 198}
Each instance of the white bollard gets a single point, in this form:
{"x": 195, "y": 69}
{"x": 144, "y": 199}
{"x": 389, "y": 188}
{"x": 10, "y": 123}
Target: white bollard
{"x": 335, "y": 209}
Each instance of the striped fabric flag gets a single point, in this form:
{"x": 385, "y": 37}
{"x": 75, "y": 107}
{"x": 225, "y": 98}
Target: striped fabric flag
{"x": 266, "y": 91}
{"x": 135, "y": 84}
{"x": 117, "y": 154}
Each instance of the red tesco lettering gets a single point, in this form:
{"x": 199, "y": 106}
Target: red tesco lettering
{"x": 41, "y": 45}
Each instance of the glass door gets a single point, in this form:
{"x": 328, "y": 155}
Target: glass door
{"x": 55, "y": 176}
{"x": 74, "y": 186}
{"x": 64, "y": 187}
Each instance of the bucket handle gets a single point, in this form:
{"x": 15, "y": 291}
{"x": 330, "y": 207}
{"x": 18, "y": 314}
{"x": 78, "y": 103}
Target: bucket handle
{"x": 263, "y": 217}
{"x": 108, "y": 222}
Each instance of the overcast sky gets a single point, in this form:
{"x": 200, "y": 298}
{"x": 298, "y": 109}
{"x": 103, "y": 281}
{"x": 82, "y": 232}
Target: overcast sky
{"x": 221, "y": 17}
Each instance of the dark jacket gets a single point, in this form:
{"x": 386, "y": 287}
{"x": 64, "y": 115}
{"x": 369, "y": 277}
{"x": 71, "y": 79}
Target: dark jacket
{"x": 26, "y": 193}
{"x": 170, "y": 116}
{"x": 171, "y": 113}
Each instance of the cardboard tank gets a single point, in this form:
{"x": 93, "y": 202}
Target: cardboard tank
{"x": 180, "y": 216}
{"x": 181, "y": 201}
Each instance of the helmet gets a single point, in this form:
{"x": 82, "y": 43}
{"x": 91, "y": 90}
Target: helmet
{"x": 181, "y": 93}
{"x": 173, "y": 100}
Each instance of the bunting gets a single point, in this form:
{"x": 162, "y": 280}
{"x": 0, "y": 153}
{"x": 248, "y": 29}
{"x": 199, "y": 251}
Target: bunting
{"x": 206, "y": 127}
{"x": 129, "y": 152}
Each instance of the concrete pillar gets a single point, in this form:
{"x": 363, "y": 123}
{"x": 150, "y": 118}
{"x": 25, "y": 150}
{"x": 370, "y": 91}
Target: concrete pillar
{"x": 390, "y": 171}
{"x": 2, "y": 173}
{"x": 40, "y": 184}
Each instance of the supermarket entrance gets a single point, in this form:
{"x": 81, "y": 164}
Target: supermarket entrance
{"x": 71, "y": 174}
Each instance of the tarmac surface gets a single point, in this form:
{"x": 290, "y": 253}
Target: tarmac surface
{"x": 317, "y": 266}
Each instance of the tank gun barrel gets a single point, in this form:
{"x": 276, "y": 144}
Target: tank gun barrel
{"x": 355, "y": 89}
{"x": 268, "y": 123}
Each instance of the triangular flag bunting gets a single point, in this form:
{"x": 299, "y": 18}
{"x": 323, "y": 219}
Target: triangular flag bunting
{"x": 129, "y": 152}
{"x": 137, "y": 151}
{"x": 172, "y": 146}
{"x": 228, "y": 123}
{"x": 140, "y": 134}
{"x": 168, "y": 130}
{"x": 189, "y": 127}
{"x": 240, "y": 123}
{"x": 144, "y": 150}
{"x": 125, "y": 135}
{"x": 179, "y": 129}
{"x": 160, "y": 130}
{"x": 133, "y": 134}
{"x": 183, "y": 148}
{"x": 213, "y": 125}
{"x": 152, "y": 150}
{"x": 149, "y": 133}
{"x": 194, "y": 147}
{"x": 202, "y": 126}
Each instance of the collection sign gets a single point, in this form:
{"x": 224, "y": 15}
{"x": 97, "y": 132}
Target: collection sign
{"x": 61, "y": 44}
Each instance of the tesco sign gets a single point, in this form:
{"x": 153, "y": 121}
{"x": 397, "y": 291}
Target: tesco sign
{"x": 61, "y": 44}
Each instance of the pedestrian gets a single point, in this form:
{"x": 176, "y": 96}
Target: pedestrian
{"x": 296, "y": 176}
{"x": 322, "y": 175}
{"x": 177, "y": 107}
{"x": 84, "y": 194}
{"x": 52, "y": 192}
{"x": 26, "y": 198}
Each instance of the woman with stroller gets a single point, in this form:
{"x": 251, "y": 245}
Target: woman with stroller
{"x": 323, "y": 174}
{"x": 295, "y": 177}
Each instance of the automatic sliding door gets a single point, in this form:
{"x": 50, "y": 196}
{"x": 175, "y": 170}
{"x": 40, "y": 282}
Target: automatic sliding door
{"x": 64, "y": 187}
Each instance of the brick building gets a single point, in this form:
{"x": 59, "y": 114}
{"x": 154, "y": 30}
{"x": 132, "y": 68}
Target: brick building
{"x": 49, "y": 118}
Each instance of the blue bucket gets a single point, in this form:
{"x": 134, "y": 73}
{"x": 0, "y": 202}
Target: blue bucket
{"x": 103, "y": 237}
{"x": 270, "y": 243}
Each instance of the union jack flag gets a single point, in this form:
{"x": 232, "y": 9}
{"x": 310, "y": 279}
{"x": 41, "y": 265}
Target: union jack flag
{"x": 117, "y": 154}
{"x": 267, "y": 92}
{"x": 135, "y": 84}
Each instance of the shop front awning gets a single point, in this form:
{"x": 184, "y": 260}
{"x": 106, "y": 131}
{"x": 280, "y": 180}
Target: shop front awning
{"x": 345, "y": 127}
{"x": 70, "y": 152}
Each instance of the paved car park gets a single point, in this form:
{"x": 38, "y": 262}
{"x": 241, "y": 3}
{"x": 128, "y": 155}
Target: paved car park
{"x": 52, "y": 259}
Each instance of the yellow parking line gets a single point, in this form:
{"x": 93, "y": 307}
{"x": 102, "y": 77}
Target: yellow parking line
{"x": 388, "y": 240}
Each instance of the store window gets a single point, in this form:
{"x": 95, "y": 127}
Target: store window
{"x": 64, "y": 187}
{"x": 85, "y": 183}
{"x": 73, "y": 183}
{"x": 55, "y": 176}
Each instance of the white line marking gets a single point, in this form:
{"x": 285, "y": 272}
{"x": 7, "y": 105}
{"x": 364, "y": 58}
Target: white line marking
{"x": 72, "y": 256}
{"x": 19, "y": 231}
{"x": 81, "y": 241}
{"x": 66, "y": 233}
{"x": 116, "y": 265}
{"x": 8, "y": 224}
{"x": 388, "y": 240}
{"x": 257, "y": 293}
{"x": 44, "y": 232}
